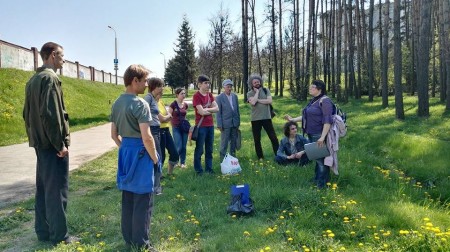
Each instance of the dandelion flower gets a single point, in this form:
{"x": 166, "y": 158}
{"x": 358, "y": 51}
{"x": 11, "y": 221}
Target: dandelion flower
{"x": 246, "y": 233}
{"x": 281, "y": 217}
{"x": 267, "y": 248}
{"x": 331, "y": 235}
{"x": 290, "y": 239}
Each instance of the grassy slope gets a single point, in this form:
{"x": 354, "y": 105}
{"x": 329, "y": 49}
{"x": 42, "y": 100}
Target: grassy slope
{"x": 88, "y": 103}
{"x": 389, "y": 183}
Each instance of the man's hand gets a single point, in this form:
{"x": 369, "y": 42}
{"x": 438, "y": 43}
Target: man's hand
{"x": 62, "y": 153}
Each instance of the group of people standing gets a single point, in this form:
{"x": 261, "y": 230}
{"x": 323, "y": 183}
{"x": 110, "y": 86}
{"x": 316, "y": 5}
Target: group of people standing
{"x": 140, "y": 128}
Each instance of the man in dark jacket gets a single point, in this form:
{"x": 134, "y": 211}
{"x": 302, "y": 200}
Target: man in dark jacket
{"x": 47, "y": 126}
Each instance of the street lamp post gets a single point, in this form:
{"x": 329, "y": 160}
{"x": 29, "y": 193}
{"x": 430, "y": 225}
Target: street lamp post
{"x": 164, "y": 61}
{"x": 116, "y": 61}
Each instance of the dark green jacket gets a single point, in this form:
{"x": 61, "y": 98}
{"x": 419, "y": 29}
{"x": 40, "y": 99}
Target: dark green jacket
{"x": 46, "y": 120}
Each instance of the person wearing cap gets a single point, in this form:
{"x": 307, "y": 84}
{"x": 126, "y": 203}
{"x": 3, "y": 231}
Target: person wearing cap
{"x": 205, "y": 106}
{"x": 228, "y": 118}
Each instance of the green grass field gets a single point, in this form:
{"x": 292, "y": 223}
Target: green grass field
{"x": 392, "y": 194}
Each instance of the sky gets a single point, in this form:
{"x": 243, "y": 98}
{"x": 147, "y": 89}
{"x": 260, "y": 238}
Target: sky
{"x": 146, "y": 30}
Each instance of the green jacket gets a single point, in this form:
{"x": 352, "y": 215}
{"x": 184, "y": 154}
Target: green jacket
{"x": 46, "y": 119}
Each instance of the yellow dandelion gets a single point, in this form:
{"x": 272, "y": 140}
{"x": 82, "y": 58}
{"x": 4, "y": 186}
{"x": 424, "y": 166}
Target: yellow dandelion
{"x": 342, "y": 249}
{"x": 331, "y": 235}
{"x": 281, "y": 217}
{"x": 171, "y": 238}
{"x": 290, "y": 239}
{"x": 329, "y": 231}
{"x": 246, "y": 233}
{"x": 98, "y": 235}
{"x": 352, "y": 233}
{"x": 196, "y": 222}
{"x": 267, "y": 248}
{"x": 429, "y": 224}
{"x": 233, "y": 216}
{"x": 170, "y": 217}
{"x": 102, "y": 243}
{"x": 360, "y": 244}
{"x": 325, "y": 214}
{"x": 197, "y": 234}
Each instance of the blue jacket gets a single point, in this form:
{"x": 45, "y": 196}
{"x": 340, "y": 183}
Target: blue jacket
{"x": 284, "y": 149}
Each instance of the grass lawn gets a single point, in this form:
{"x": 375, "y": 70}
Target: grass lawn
{"x": 392, "y": 194}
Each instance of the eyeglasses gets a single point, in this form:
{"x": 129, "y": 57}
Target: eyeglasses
{"x": 294, "y": 128}
{"x": 182, "y": 93}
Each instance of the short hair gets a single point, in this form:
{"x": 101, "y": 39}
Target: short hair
{"x": 179, "y": 90}
{"x": 202, "y": 78}
{"x": 138, "y": 71}
{"x": 48, "y": 48}
{"x": 287, "y": 127}
{"x": 154, "y": 83}
{"x": 251, "y": 78}
{"x": 320, "y": 85}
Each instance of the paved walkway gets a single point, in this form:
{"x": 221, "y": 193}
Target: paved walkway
{"x": 18, "y": 162}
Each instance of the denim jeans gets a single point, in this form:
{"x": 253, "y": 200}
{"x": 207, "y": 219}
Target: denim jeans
{"x": 205, "y": 140}
{"x": 322, "y": 171}
{"x": 180, "y": 139}
{"x": 167, "y": 143}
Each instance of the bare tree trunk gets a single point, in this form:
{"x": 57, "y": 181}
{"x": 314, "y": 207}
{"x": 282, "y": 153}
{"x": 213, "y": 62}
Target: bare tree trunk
{"x": 337, "y": 89}
{"x": 423, "y": 33}
{"x": 351, "y": 66}
{"x": 252, "y": 7}
{"x": 346, "y": 47}
{"x": 296, "y": 48}
{"x": 245, "y": 47}
{"x": 274, "y": 46}
{"x": 360, "y": 50}
{"x": 280, "y": 29}
{"x": 445, "y": 31}
{"x": 332, "y": 48}
{"x": 384, "y": 57}
{"x": 370, "y": 52}
{"x": 399, "y": 111}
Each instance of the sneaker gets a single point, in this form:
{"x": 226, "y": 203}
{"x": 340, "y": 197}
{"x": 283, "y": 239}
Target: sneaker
{"x": 183, "y": 166}
{"x": 68, "y": 240}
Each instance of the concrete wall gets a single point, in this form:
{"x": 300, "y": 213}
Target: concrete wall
{"x": 15, "y": 56}
{"x": 69, "y": 69}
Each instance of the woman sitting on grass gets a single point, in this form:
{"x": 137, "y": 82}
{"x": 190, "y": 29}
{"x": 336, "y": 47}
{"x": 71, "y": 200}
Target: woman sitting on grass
{"x": 292, "y": 150}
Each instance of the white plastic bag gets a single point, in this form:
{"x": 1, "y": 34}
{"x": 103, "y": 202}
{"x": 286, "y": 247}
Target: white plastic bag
{"x": 230, "y": 165}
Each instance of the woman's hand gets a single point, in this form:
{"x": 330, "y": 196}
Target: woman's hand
{"x": 288, "y": 118}
{"x": 321, "y": 142}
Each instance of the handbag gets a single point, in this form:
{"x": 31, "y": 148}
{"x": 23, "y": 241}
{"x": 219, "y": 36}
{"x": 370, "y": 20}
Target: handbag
{"x": 185, "y": 126}
{"x": 238, "y": 140}
{"x": 230, "y": 165}
{"x": 272, "y": 112}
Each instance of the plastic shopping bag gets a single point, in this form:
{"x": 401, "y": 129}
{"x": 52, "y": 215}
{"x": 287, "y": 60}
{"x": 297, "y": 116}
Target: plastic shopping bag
{"x": 230, "y": 165}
